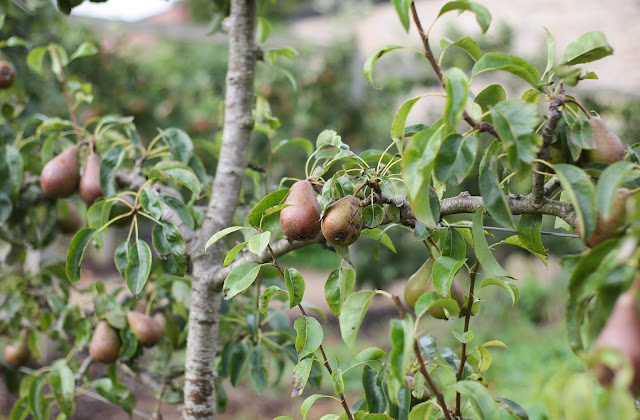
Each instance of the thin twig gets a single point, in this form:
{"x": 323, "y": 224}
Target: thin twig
{"x": 467, "y": 318}
{"x": 423, "y": 369}
{"x": 500, "y": 229}
{"x": 326, "y": 364}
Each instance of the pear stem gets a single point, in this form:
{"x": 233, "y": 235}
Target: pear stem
{"x": 467, "y": 318}
{"x": 584, "y": 111}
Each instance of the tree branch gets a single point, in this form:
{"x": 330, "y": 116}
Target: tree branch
{"x": 548, "y": 133}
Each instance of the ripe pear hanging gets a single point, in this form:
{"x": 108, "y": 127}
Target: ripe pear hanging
{"x": 301, "y": 220}
{"x": 105, "y": 343}
{"x": 17, "y": 354}
{"x": 607, "y": 146}
{"x": 90, "y": 189}
{"x": 421, "y": 282}
{"x": 7, "y": 74}
{"x": 342, "y": 222}
{"x": 621, "y": 333}
{"x": 60, "y": 176}
{"x": 146, "y": 329}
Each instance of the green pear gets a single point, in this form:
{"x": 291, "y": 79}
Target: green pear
{"x": 60, "y": 176}
{"x": 7, "y": 74}
{"x": 622, "y": 333}
{"x": 146, "y": 329}
{"x": 90, "y": 189}
{"x": 105, "y": 343}
{"x": 342, "y": 222}
{"x": 421, "y": 282}
{"x": 607, "y": 146}
{"x": 17, "y": 354}
{"x": 301, "y": 220}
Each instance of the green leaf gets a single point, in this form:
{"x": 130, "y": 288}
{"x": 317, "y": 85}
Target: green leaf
{"x": 481, "y": 247}
{"x": 20, "y": 409}
{"x": 608, "y": 184}
{"x": 381, "y": 237}
{"x": 513, "y": 408}
{"x": 263, "y": 29}
{"x": 492, "y": 194}
{"x": 240, "y": 278}
{"x": 309, "y": 335}
{"x": 301, "y": 376}
{"x": 295, "y": 286}
{"x": 511, "y": 288}
{"x": 139, "y": 266}
{"x": 463, "y": 337}
{"x": 259, "y": 372}
{"x": 62, "y": 384}
{"x": 370, "y": 356}
{"x": 373, "y": 393}
{"x": 483, "y": 17}
{"x": 221, "y": 234}
{"x": 35, "y": 57}
{"x": 169, "y": 245}
{"x": 457, "y": 87}
{"x": 231, "y": 255}
{"x": 338, "y": 286}
{"x": 434, "y": 300}
{"x": 84, "y": 50}
{"x": 76, "y": 253}
{"x": 37, "y": 403}
{"x": 470, "y": 46}
{"x": 120, "y": 257}
{"x": 401, "y": 336}
{"x": 515, "y": 121}
{"x": 373, "y": 59}
{"x": 109, "y": 165}
{"x": 306, "y": 405}
{"x": 582, "y": 195}
{"x": 337, "y": 381}
{"x": 551, "y": 48}
{"x": 300, "y": 142}
{"x": 372, "y": 215}
{"x": 179, "y": 143}
{"x": 178, "y": 206}
{"x": 422, "y": 411}
{"x": 452, "y": 244}
{"x": 586, "y": 48}
{"x": 259, "y": 242}
{"x": 529, "y": 228}
{"x": 455, "y": 158}
{"x": 402, "y": 9}
{"x": 515, "y": 65}
{"x": 482, "y": 402}
{"x": 399, "y": 121}
{"x": 179, "y": 172}
{"x": 490, "y": 97}
{"x": 6, "y": 207}
{"x": 257, "y": 213}
{"x": 265, "y": 298}
{"x": 150, "y": 203}
{"x": 443, "y": 272}
{"x": 352, "y": 314}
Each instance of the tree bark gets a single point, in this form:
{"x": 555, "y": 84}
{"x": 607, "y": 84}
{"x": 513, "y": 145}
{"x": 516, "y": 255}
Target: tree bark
{"x": 200, "y": 369}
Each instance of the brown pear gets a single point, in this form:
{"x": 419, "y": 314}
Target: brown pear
{"x": 607, "y": 146}
{"x": 613, "y": 225}
{"x": 301, "y": 220}
{"x": 60, "y": 176}
{"x": 621, "y": 333}
{"x": 421, "y": 282}
{"x": 146, "y": 329}
{"x": 7, "y": 74}
{"x": 342, "y": 222}
{"x": 105, "y": 343}
{"x": 17, "y": 354}
{"x": 90, "y": 189}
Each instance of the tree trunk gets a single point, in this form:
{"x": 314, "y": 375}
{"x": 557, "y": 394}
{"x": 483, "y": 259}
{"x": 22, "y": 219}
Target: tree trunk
{"x": 200, "y": 370}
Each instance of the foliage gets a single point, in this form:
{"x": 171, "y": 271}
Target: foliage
{"x": 159, "y": 188}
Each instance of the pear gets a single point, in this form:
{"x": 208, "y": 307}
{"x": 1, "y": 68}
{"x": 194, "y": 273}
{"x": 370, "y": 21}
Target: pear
{"x": 60, "y": 176}
{"x": 90, "y": 182}
{"x": 342, "y": 222}
{"x": 146, "y": 329}
{"x": 421, "y": 282}
{"x": 301, "y": 220}
{"x": 613, "y": 225}
{"x": 7, "y": 74}
{"x": 621, "y": 333}
{"x": 607, "y": 146}
{"x": 105, "y": 343}
{"x": 17, "y": 354}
